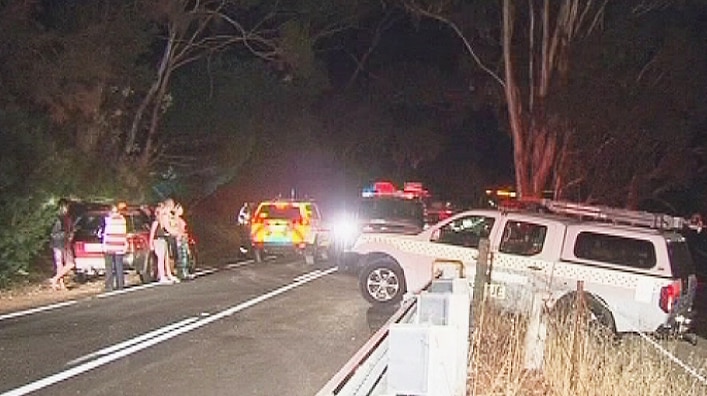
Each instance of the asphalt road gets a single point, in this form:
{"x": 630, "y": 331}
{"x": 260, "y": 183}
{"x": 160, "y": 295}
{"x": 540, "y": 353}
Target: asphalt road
{"x": 275, "y": 328}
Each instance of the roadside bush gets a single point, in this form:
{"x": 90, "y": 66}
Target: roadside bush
{"x": 38, "y": 170}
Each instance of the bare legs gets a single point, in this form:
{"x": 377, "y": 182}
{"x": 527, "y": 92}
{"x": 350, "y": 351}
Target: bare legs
{"x": 61, "y": 267}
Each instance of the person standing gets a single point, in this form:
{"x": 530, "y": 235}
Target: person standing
{"x": 115, "y": 244}
{"x": 60, "y": 241}
{"x": 159, "y": 241}
{"x": 178, "y": 229}
{"x": 244, "y": 227}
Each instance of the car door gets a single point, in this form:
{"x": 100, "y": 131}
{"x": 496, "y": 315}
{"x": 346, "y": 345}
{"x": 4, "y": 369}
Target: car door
{"x": 522, "y": 252}
{"x": 458, "y": 240}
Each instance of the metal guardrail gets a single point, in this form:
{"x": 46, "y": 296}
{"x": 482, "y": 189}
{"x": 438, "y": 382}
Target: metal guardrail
{"x": 422, "y": 349}
{"x": 363, "y": 373}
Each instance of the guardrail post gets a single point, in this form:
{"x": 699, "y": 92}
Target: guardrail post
{"x": 536, "y": 335}
{"x": 428, "y": 356}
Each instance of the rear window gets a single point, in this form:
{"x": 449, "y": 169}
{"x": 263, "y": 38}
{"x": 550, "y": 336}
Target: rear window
{"x": 288, "y": 212}
{"x": 681, "y": 262}
{"x": 391, "y": 209}
{"x": 92, "y": 223}
{"x": 629, "y": 252}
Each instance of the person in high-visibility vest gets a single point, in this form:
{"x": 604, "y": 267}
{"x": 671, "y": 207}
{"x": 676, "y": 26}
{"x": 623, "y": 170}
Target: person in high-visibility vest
{"x": 115, "y": 244}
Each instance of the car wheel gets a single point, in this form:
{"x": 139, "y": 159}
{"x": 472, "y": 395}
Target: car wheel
{"x": 258, "y": 255}
{"x": 598, "y": 317}
{"x": 81, "y": 277}
{"x": 310, "y": 255}
{"x": 382, "y": 282}
{"x": 147, "y": 272}
{"x": 193, "y": 258}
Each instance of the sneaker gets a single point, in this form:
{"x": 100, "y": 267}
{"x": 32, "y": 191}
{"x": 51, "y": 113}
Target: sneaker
{"x": 165, "y": 281}
{"x": 174, "y": 279}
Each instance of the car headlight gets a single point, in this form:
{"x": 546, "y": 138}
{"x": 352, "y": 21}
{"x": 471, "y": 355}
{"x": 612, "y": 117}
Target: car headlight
{"x": 345, "y": 229}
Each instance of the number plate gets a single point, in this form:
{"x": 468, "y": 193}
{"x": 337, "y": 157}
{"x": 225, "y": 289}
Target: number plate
{"x": 495, "y": 290}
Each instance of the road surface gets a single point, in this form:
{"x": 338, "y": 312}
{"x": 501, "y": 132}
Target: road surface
{"x": 275, "y": 328}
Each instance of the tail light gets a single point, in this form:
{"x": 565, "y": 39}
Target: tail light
{"x": 669, "y": 295}
{"x": 79, "y": 248}
{"x": 300, "y": 221}
{"x": 136, "y": 243}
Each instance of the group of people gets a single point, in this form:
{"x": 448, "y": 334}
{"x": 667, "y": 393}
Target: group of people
{"x": 168, "y": 233}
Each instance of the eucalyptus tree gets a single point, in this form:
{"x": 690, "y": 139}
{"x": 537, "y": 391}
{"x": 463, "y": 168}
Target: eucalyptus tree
{"x": 530, "y": 54}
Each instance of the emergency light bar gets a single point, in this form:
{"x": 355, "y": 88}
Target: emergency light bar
{"x": 384, "y": 188}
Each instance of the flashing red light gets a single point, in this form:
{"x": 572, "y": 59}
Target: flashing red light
{"x": 384, "y": 188}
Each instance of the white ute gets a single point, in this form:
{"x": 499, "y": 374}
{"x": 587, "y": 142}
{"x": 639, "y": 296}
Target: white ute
{"x": 637, "y": 271}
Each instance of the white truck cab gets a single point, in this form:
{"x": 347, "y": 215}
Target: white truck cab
{"x": 636, "y": 277}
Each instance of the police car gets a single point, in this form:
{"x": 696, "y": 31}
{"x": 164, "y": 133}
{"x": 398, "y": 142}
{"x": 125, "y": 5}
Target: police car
{"x": 284, "y": 226}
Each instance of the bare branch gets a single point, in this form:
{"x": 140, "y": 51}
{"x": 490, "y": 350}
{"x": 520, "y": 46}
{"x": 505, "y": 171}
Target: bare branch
{"x": 416, "y": 9}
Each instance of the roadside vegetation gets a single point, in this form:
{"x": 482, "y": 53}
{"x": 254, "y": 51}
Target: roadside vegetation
{"x": 578, "y": 360}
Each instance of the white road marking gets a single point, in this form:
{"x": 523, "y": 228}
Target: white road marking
{"x": 164, "y": 336}
{"x": 126, "y": 290}
{"x": 307, "y": 276}
{"x": 38, "y": 309}
{"x": 136, "y": 340}
{"x": 239, "y": 264}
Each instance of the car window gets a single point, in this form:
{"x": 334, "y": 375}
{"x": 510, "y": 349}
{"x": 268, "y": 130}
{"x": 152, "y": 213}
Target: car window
{"x": 681, "y": 261}
{"x": 89, "y": 224}
{"x": 465, "y": 231}
{"x": 630, "y": 252}
{"x": 137, "y": 222}
{"x": 288, "y": 212}
{"x": 523, "y": 238}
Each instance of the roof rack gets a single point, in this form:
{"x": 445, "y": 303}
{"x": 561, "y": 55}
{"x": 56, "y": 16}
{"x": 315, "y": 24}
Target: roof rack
{"x": 658, "y": 221}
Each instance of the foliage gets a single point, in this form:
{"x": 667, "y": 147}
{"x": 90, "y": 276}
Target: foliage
{"x": 37, "y": 171}
{"x": 638, "y": 83}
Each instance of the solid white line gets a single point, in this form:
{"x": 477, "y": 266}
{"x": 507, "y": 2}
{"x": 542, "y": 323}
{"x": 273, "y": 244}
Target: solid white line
{"x": 126, "y": 290}
{"x": 74, "y": 371}
{"x": 38, "y": 309}
{"x": 136, "y": 340}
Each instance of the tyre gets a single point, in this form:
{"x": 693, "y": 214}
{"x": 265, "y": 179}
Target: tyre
{"x": 310, "y": 255}
{"x": 382, "y": 282}
{"x": 81, "y": 277}
{"x": 147, "y": 272}
{"x": 597, "y": 316}
{"x": 258, "y": 255}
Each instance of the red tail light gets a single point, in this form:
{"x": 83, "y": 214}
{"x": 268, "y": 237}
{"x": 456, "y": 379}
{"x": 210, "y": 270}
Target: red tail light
{"x": 136, "y": 243}
{"x": 669, "y": 295}
{"x": 300, "y": 221}
{"x": 79, "y": 248}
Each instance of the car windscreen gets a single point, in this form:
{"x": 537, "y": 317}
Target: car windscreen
{"x": 394, "y": 209}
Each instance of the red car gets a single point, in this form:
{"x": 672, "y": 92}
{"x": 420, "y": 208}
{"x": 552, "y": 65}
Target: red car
{"x": 87, "y": 247}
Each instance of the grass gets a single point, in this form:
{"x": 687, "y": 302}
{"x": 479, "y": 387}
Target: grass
{"x": 578, "y": 360}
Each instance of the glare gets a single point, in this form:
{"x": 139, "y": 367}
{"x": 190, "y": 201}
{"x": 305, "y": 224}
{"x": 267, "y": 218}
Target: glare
{"x": 344, "y": 228}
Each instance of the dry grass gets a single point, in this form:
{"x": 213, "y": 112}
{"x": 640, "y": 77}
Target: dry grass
{"x": 593, "y": 363}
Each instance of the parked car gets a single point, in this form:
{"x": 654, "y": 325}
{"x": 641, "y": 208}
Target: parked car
{"x": 88, "y": 252}
{"x": 86, "y": 242}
